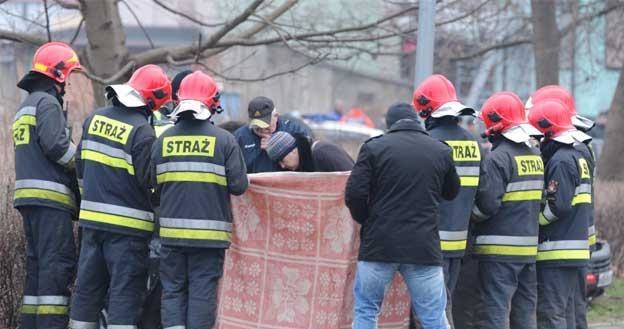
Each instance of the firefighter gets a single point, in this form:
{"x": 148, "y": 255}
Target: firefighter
{"x": 583, "y": 124}
{"x": 195, "y": 163}
{"x": 160, "y": 119}
{"x": 563, "y": 250}
{"x": 115, "y": 212}
{"x": 45, "y": 188}
{"x": 436, "y": 102}
{"x": 506, "y": 210}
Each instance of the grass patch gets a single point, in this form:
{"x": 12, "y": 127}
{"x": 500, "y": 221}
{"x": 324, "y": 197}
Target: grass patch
{"x": 609, "y": 308}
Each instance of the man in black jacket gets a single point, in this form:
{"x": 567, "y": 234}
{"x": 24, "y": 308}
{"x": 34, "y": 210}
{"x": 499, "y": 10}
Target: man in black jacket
{"x": 394, "y": 191}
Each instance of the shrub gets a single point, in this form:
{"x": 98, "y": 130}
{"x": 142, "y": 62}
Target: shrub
{"x": 609, "y": 215}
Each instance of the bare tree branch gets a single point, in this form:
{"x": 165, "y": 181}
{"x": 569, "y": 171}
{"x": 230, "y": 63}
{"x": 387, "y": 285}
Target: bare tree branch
{"x": 467, "y": 14}
{"x": 33, "y": 22}
{"x": 159, "y": 55}
{"x": 65, "y": 4}
{"x": 313, "y": 61}
{"x": 34, "y": 39}
{"x": 136, "y": 18}
{"x": 497, "y": 46}
{"x": 73, "y": 39}
{"x": 47, "y": 20}
{"x": 186, "y": 16}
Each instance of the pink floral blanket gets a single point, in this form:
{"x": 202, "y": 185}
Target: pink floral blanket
{"x": 292, "y": 260}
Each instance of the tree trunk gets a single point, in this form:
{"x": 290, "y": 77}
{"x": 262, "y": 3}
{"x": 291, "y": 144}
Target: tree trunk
{"x": 546, "y": 40}
{"x": 611, "y": 162}
{"x": 106, "y": 51}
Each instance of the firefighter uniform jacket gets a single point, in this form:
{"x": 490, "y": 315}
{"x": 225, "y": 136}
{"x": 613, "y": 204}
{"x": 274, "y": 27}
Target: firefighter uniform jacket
{"x": 160, "y": 122}
{"x": 589, "y": 156}
{"x": 564, "y": 219}
{"x": 43, "y": 150}
{"x": 113, "y": 163}
{"x": 455, "y": 214}
{"x": 196, "y": 167}
{"x": 508, "y": 201}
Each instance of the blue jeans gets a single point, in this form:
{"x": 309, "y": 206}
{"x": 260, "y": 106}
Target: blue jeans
{"x": 425, "y": 285}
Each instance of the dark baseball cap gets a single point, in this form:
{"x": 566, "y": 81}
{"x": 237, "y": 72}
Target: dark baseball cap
{"x": 260, "y": 110}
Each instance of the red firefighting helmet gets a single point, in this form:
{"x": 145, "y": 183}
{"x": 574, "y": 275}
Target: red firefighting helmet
{"x": 563, "y": 95}
{"x": 149, "y": 86}
{"x": 436, "y": 97}
{"x": 552, "y": 118}
{"x": 198, "y": 93}
{"x": 503, "y": 113}
{"x": 55, "y": 60}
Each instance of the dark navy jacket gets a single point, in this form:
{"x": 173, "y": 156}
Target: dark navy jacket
{"x": 256, "y": 159}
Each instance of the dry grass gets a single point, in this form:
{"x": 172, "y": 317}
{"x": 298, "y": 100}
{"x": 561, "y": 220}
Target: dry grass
{"x": 609, "y": 213}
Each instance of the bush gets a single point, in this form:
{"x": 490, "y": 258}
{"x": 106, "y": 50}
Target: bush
{"x": 12, "y": 272}
{"x": 609, "y": 215}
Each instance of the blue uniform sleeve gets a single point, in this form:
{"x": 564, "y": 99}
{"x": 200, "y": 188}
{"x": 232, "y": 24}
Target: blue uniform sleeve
{"x": 53, "y": 134}
{"x": 141, "y": 155}
{"x": 561, "y": 180}
{"x": 492, "y": 185}
{"x": 235, "y": 169}
{"x": 358, "y": 188}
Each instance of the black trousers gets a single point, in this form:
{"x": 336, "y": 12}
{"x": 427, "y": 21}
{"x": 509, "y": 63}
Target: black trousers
{"x": 50, "y": 266}
{"x": 110, "y": 264}
{"x": 557, "y": 287}
{"x": 190, "y": 279}
{"x": 508, "y": 295}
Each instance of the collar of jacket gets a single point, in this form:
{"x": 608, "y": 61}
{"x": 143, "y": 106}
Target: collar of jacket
{"x": 432, "y": 122}
{"x": 549, "y": 148}
{"x": 33, "y": 81}
{"x": 407, "y": 124}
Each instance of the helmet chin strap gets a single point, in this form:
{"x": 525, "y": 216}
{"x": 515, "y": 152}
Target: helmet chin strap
{"x": 492, "y": 130}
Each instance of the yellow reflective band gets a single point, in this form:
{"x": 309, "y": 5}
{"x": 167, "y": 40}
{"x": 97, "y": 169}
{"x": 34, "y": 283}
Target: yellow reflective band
{"x": 52, "y": 309}
{"x": 562, "y": 254}
{"x": 592, "y": 239}
{"x": 44, "y": 194}
{"x": 190, "y": 176}
{"x": 581, "y": 198}
{"x": 465, "y": 150}
{"x": 522, "y": 195}
{"x": 453, "y": 245}
{"x": 26, "y": 119}
{"x": 469, "y": 181}
{"x": 189, "y": 146}
{"x": 542, "y": 220}
{"x": 180, "y": 233}
{"x": 506, "y": 250}
{"x": 110, "y": 129}
{"x": 29, "y": 309}
{"x": 116, "y": 220}
{"x": 160, "y": 129}
{"x": 529, "y": 165}
{"x": 40, "y": 67}
{"x": 585, "y": 173}
{"x": 107, "y": 160}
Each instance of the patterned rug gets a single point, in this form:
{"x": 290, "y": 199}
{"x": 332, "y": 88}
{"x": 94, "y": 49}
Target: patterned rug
{"x": 292, "y": 260}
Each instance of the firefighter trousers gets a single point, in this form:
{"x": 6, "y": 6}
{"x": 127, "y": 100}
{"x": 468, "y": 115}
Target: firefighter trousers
{"x": 113, "y": 265}
{"x": 557, "y": 288}
{"x": 190, "y": 278}
{"x": 577, "y": 316}
{"x": 50, "y": 266}
{"x": 508, "y": 295}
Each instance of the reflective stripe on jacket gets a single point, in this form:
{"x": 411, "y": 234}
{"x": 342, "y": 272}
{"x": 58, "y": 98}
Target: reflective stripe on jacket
{"x": 588, "y": 154}
{"x": 113, "y": 168}
{"x": 564, "y": 228}
{"x": 455, "y": 214}
{"x": 196, "y": 166}
{"x": 43, "y": 154}
{"x": 508, "y": 202}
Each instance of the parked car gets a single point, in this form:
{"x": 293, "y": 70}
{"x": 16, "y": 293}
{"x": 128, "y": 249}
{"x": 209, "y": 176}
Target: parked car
{"x": 600, "y": 275}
